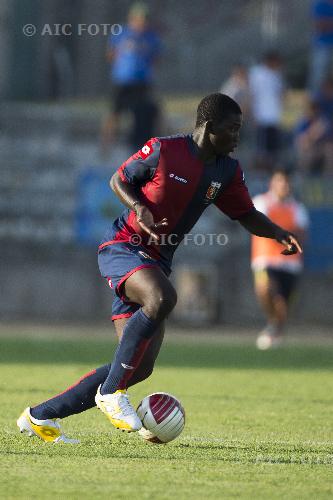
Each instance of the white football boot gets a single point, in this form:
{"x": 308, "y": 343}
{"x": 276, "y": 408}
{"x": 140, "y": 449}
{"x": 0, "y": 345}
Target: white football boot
{"x": 47, "y": 430}
{"x": 118, "y": 410}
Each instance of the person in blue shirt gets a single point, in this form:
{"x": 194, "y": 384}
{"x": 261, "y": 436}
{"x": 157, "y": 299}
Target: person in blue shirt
{"x": 132, "y": 55}
{"x": 322, "y": 43}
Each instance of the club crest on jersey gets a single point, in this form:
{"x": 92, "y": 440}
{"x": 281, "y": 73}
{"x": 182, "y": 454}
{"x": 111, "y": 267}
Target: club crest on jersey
{"x": 212, "y": 191}
{"x": 146, "y": 150}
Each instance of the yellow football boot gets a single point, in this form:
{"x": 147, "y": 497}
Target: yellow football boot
{"x": 47, "y": 430}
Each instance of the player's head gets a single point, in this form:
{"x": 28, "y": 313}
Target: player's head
{"x": 239, "y": 70}
{"x": 221, "y": 118}
{"x": 280, "y": 184}
{"x": 138, "y": 16}
{"x": 273, "y": 59}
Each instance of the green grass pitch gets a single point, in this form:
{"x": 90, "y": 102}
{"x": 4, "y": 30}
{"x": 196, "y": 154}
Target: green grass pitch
{"x": 258, "y": 424}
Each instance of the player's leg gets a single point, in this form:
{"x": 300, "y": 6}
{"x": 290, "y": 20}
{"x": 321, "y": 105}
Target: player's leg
{"x": 77, "y": 398}
{"x": 273, "y": 293}
{"x": 80, "y": 396}
{"x": 111, "y": 123}
{"x": 150, "y": 288}
{"x": 285, "y": 283}
{"x": 40, "y": 420}
{"x": 146, "y": 366}
{"x": 109, "y": 128}
{"x": 263, "y": 291}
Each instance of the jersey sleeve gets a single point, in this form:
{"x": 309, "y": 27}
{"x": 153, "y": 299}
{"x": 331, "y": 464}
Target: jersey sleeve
{"x": 260, "y": 203}
{"x": 235, "y": 200}
{"x": 141, "y": 167}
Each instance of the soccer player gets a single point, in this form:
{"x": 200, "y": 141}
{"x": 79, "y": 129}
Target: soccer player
{"x": 165, "y": 186}
{"x": 275, "y": 276}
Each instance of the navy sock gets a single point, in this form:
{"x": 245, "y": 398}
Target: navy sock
{"x": 77, "y": 398}
{"x": 136, "y": 336}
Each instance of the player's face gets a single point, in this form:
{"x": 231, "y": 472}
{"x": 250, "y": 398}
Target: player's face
{"x": 280, "y": 186}
{"x": 224, "y": 136}
{"x": 138, "y": 23}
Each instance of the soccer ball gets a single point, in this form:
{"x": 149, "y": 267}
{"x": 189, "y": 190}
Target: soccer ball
{"x": 162, "y": 417}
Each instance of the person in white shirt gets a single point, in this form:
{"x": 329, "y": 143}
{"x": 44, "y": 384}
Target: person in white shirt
{"x": 267, "y": 90}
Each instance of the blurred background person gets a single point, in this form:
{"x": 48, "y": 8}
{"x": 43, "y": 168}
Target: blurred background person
{"x": 322, "y": 43}
{"x": 132, "y": 55}
{"x": 237, "y": 87}
{"x": 324, "y": 98}
{"x": 267, "y": 92}
{"x": 275, "y": 276}
{"x": 314, "y": 141}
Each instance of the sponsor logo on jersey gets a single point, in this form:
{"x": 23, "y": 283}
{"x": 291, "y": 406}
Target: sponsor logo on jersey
{"x": 179, "y": 179}
{"x": 212, "y": 191}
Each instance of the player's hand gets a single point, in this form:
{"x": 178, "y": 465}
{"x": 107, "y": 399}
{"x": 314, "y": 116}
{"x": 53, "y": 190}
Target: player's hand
{"x": 145, "y": 220}
{"x": 290, "y": 241}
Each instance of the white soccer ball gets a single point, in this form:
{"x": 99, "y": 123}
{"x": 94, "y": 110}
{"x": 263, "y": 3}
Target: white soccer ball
{"x": 162, "y": 417}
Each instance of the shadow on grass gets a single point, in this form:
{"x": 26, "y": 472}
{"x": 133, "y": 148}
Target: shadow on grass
{"x": 176, "y": 354}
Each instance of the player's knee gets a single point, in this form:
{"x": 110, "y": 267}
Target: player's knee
{"x": 161, "y": 304}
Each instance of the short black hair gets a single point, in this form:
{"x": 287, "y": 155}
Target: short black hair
{"x": 216, "y": 107}
{"x": 285, "y": 171}
{"x": 272, "y": 56}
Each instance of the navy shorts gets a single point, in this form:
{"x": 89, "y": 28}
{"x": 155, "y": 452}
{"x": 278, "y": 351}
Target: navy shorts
{"x": 119, "y": 261}
{"x": 284, "y": 281}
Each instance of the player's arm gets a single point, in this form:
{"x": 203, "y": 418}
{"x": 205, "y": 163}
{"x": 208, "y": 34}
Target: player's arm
{"x": 127, "y": 194}
{"x": 110, "y": 50}
{"x": 109, "y": 54}
{"x": 260, "y": 225}
{"x": 235, "y": 201}
{"x": 126, "y": 182}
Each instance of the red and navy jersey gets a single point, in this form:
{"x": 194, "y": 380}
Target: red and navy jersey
{"x": 174, "y": 183}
